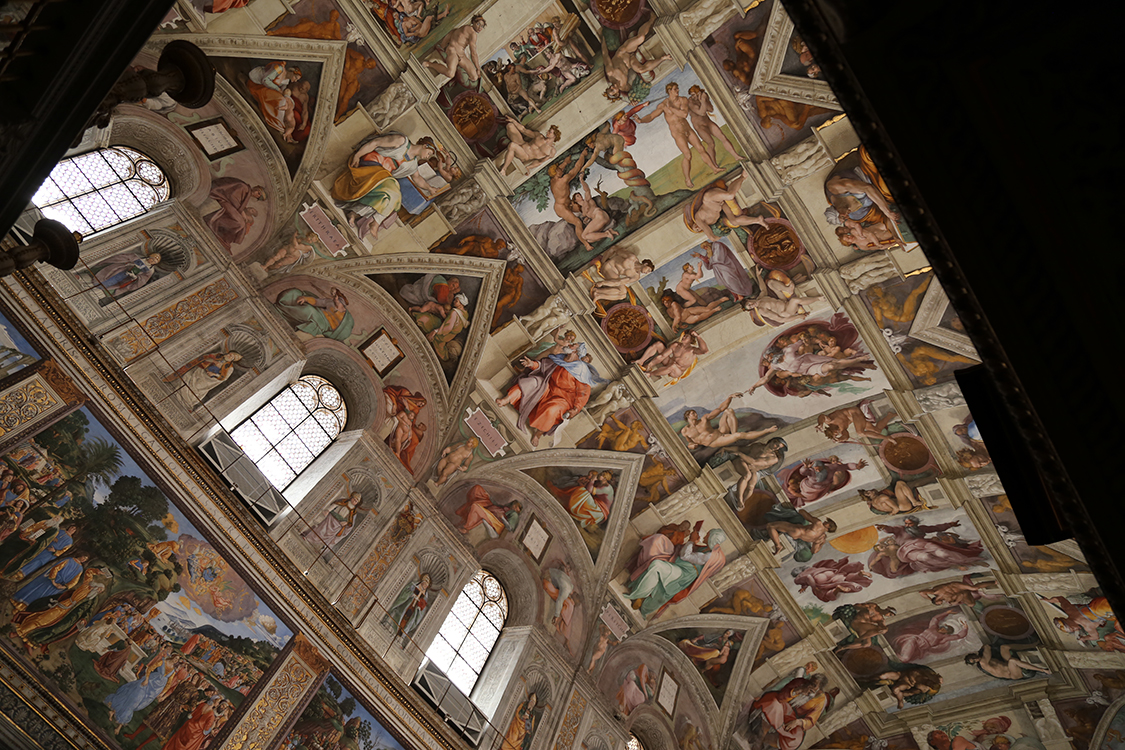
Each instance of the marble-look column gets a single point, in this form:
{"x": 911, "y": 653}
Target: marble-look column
{"x": 1048, "y": 726}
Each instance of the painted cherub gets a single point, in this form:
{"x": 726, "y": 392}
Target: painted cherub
{"x": 290, "y": 254}
{"x": 455, "y": 458}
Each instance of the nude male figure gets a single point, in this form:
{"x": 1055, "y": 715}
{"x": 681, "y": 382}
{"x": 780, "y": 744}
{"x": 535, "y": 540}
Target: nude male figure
{"x": 835, "y": 425}
{"x": 714, "y": 203}
{"x": 910, "y": 681}
{"x": 866, "y": 238}
{"x": 460, "y": 47}
{"x": 868, "y": 622}
{"x": 776, "y": 312}
{"x": 655, "y": 478}
{"x": 510, "y": 74}
{"x": 626, "y": 437}
{"x": 455, "y": 458}
{"x": 532, "y": 148}
{"x": 893, "y": 501}
{"x": 621, "y": 63}
{"x": 559, "y": 178}
{"x": 673, "y": 359}
{"x": 887, "y": 309}
{"x": 682, "y": 316}
{"x": 619, "y": 270}
{"x": 700, "y": 106}
{"x": 745, "y": 55}
{"x": 815, "y": 533}
{"x": 675, "y": 111}
{"x": 289, "y": 254}
{"x": 1008, "y": 666}
{"x": 699, "y": 431}
{"x": 957, "y": 592}
{"x": 599, "y": 649}
{"x": 755, "y": 459}
{"x": 599, "y": 225}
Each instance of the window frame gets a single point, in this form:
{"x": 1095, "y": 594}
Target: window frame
{"x": 80, "y": 188}
{"x": 480, "y": 579}
{"x": 340, "y": 412}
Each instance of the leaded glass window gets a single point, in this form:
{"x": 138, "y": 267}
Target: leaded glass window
{"x": 470, "y": 630}
{"x": 296, "y": 426}
{"x": 634, "y": 743}
{"x": 96, "y": 190}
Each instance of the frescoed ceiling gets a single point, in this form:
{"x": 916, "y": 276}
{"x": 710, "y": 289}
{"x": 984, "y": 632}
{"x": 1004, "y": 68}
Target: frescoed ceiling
{"x": 622, "y": 275}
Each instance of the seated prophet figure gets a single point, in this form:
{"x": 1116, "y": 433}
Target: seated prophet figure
{"x": 1003, "y": 663}
{"x": 479, "y": 509}
{"x": 551, "y": 390}
{"x": 791, "y": 707}
{"x": 381, "y": 177}
{"x": 670, "y": 575}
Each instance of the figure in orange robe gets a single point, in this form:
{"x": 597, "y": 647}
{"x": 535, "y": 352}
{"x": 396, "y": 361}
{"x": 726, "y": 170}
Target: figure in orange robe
{"x": 789, "y": 723}
{"x": 479, "y": 509}
{"x": 196, "y": 730}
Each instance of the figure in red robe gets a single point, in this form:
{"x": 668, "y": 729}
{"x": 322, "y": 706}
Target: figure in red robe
{"x": 235, "y": 215}
{"x": 551, "y": 390}
{"x": 402, "y": 410}
{"x": 198, "y": 727}
{"x": 479, "y": 509}
{"x": 792, "y": 708}
{"x": 830, "y": 578}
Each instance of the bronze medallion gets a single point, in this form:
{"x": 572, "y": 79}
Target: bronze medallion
{"x": 628, "y": 327}
{"x": 474, "y": 116}
{"x": 1006, "y": 621}
{"x": 617, "y": 14}
{"x": 907, "y": 454}
{"x": 775, "y": 247}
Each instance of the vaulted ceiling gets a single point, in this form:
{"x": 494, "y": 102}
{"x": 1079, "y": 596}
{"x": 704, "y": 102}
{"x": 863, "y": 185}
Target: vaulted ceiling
{"x": 627, "y": 265}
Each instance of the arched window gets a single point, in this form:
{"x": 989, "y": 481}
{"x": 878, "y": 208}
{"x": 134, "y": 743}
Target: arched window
{"x": 634, "y": 743}
{"x": 470, "y": 630}
{"x": 96, "y": 190}
{"x": 296, "y": 426}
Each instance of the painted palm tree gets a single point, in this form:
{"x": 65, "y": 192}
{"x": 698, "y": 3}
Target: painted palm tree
{"x": 99, "y": 461}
